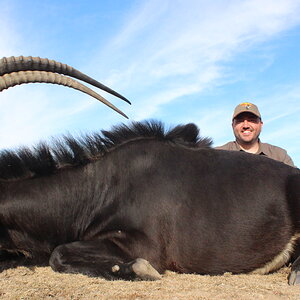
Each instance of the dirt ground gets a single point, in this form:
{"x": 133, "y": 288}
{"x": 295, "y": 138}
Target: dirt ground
{"x": 43, "y": 283}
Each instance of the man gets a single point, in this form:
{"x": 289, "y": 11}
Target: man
{"x": 247, "y": 125}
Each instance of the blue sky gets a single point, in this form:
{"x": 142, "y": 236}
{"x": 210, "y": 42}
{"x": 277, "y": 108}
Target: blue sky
{"x": 176, "y": 61}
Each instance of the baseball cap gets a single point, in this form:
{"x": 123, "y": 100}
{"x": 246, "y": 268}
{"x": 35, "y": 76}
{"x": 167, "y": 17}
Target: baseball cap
{"x": 246, "y": 107}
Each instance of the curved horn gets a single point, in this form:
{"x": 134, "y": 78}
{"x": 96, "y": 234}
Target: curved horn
{"x": 16, "y": 78}
{"x": 29, "y": 63}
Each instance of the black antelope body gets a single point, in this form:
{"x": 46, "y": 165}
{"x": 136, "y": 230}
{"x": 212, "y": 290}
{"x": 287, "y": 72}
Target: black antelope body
{"x": 138, "y": 200}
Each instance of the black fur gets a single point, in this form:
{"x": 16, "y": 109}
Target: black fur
{"x": 68, "y": 151}
{"x": 96, "y": 205}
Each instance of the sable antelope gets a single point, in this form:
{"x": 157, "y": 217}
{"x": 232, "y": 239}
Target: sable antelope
{"x": 138, "y": 200}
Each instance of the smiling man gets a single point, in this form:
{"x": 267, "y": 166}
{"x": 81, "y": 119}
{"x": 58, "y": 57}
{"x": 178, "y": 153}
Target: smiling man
{"x": 247, "y": 125}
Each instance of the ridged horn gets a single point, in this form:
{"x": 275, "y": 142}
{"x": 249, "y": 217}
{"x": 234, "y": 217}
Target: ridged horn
{"x": 16, "y": 78}
{"x": 29, "y": 63}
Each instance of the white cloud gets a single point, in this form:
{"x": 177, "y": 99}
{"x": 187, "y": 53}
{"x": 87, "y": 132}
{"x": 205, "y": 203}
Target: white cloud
{"x": 173, "y": 45}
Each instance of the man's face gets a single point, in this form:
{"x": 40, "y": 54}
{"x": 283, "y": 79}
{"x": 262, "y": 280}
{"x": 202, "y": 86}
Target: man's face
{"x": 246, "y": 128}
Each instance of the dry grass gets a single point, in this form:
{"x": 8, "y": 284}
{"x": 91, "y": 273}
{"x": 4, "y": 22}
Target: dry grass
{"x": 43, "y": 283}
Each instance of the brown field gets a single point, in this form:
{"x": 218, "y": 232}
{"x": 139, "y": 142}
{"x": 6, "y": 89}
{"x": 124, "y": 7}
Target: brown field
{"x": 43, "y": 283}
